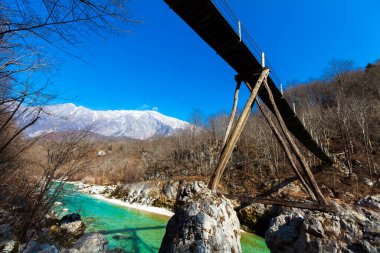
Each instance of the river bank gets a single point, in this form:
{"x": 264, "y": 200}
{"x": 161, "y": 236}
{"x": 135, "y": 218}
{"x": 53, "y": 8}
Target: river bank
{"x": 149, "y": 209}
{"x": 351, "y": 227}
{"x": 130, "y": 229}
{"x": 147, "y": 190}
{"x": 143, "y": 196}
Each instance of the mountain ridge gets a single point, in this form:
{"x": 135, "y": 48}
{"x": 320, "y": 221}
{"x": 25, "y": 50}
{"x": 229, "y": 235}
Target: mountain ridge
{"x": 135, "y": 124}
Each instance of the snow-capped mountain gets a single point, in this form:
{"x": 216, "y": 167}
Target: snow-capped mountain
{"x": 119, "y": 123}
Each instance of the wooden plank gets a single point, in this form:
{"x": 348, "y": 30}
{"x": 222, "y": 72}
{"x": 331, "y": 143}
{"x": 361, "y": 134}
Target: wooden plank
{"x": 282, "y": 202}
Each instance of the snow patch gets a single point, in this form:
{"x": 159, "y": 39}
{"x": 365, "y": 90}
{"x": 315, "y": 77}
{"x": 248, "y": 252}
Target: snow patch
{"x": 118, "y": 123}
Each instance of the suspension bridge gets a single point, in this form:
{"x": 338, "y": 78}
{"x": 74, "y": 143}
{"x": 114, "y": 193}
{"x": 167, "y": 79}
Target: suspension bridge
{"x": 219, "y": 27}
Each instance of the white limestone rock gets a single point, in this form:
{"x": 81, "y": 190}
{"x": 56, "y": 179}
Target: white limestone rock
{"x": 286, "y": 232}
{"x": 349, "y": 229}
{"x": 75, "y": 229}
{"x": 203, "y": 222}
{"x": 94, "y": 243}
{"x": 170, "y": 189}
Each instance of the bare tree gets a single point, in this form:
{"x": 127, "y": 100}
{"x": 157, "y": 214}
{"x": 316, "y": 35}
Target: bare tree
{"x": 60, "y": 160}
{"x": 27, "y": 28}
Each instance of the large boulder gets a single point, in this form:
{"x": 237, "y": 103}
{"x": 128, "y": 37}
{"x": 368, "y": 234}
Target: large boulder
{"x": 74, "y": 229}
{"x": 256, "y": 217}
{"x": 94, "y": 243}
{"x": 71, "y": 226}
{"x": 68, "y": 229}
{"x": 349, "y": 229}
{"x": 203, "y": 222}
{"x": 170, "y": 189}
{"x": 286, "y": 232}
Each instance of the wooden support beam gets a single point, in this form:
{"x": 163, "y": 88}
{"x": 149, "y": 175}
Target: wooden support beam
{"x": 281, "y": 202}
{"x": 230, "y": 145}
{"x": 309, "y": 175}
{"x": 232, "y": 115}
{"x": 286, "y": 149}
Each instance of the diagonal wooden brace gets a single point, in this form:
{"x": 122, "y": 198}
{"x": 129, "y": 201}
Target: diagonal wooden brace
{"x": 308, "y": 174}
{"x": 286, "y": 149}
{"x": 232, "y": 140}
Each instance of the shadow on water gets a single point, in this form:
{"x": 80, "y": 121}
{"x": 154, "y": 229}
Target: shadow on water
{"x": 138, "y": 244}
{"x": 114, "y": 231}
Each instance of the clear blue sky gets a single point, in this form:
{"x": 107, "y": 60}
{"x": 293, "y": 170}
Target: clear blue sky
{"x": 163, "y": 64}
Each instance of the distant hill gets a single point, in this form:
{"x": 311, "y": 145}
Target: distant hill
{"x": 118, "y": 123}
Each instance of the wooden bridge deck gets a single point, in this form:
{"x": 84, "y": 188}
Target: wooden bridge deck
{"x": 209, "y": 23}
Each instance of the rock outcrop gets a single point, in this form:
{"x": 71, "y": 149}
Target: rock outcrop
{"x": 203, "y": 222}
{"x": 73, "y": 229}
{"x": 372, "y": 202}
{"x": 52, "y": 236}
{"x": 350, "y": 229}
{"x": 68, "y": 229}
{"x": 256, "y": 217}
{"x": 158, "y": 194}
{"x": 94, "y": 243}
{"x": 95, "y": 189}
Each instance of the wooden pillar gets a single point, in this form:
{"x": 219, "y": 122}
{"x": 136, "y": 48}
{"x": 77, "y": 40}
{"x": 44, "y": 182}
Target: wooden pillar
{"x": 286, "y": 149}
{"x": 233, "y": 113}
{"x": 309, "y": 176}
{"x": 230, "y": 145}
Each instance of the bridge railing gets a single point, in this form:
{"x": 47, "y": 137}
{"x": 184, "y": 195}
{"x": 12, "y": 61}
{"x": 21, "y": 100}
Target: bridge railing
{"x": 227, "y": 12}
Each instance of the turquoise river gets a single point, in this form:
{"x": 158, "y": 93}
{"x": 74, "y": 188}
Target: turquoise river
{"x": 129, "y": 229}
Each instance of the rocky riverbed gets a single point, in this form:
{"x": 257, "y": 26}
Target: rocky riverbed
{"x": 65, "y": 235}
{"x": 352, "y": 228}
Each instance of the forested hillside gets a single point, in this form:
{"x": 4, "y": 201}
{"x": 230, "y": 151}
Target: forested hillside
{"x": 341, "y": 111}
